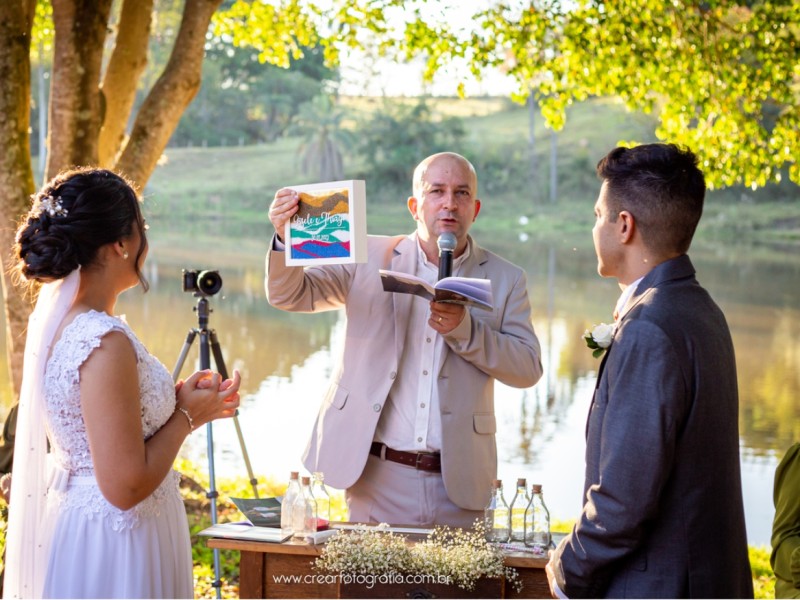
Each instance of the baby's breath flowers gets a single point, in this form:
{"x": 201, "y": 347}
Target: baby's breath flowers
{"x": 365, "y": 551}
{"x": 460, "y": 556}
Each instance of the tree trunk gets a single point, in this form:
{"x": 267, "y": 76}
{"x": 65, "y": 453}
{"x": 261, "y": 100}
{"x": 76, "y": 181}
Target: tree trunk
{"x": 159, "y": 115}
{"x": 122, "y": 76}
{"x": 16, "y": 175}
{"x": 76, "y": 112}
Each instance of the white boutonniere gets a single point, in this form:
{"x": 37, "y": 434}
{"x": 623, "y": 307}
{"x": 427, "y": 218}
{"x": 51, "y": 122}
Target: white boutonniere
{"x": 598, "y": 338}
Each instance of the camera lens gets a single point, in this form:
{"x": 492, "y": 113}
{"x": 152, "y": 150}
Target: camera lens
{"x": 209, "y": 282}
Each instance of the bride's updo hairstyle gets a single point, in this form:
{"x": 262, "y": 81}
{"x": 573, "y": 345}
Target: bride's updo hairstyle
{"x": 71, "y": 217}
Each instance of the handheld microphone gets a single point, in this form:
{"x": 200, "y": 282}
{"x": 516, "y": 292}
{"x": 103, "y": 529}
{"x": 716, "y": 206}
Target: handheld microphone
{"x": 446, "y": 243}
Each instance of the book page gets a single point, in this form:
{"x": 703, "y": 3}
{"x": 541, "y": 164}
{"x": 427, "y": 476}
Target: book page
{"x": 468, "y": 291}
{"x": 465, "y": 290}
{"x": 404, "y": 283}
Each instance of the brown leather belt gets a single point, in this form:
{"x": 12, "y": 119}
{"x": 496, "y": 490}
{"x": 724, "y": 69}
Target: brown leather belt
{"x": 424, "y": 461}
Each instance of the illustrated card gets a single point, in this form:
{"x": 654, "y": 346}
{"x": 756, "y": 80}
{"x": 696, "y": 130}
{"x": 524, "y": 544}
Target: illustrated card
{"x": 330, "y": 226}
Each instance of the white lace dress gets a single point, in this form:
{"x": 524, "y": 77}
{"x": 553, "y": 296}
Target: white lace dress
{"x": 98, "y": 550}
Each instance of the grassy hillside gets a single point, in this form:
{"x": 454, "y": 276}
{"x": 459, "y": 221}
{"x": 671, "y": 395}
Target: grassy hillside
{"x": 232, "y": 187}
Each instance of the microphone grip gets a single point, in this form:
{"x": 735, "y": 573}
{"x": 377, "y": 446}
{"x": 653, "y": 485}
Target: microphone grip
{"x": 445, "y": 264}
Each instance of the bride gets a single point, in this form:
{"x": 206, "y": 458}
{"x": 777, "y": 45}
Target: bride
{"x": 100, "y": 514}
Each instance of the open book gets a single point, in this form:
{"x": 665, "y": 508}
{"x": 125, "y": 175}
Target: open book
{"x": 261, "y": 512}
{"x": 459, "y": 290}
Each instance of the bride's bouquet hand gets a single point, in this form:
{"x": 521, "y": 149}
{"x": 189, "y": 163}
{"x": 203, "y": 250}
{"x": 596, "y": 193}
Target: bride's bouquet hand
{"x": 206, "y": 396}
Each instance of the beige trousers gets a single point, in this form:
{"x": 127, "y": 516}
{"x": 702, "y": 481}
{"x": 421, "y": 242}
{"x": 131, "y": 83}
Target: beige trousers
{"x": 388, "y": 492}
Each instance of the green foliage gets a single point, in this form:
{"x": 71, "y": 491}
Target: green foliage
{"x": 394, "y": 139}
{"x": 245, "y": 101}
{"x": 763, "y": 577}
{"x": 43, "y": 33}
{"x": 278, "y": 33}
{"x": 231, "y": 193}
{"x": 723, "y": 77}
{"x": 325, "y": 139}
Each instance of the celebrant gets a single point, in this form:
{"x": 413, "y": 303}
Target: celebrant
{"x": 407, "y": 425}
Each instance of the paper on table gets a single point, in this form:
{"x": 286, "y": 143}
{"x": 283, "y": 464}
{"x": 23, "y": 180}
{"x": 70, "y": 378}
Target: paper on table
{"x": 320, "y": 537}
{"x": 245, "y": 531}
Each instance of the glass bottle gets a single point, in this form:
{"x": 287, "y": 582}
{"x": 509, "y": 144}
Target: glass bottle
{"x": 495, "y": 515}
{"x": 537, "y": 521}
{"x": 517, "y": 512}
{"x": 304, "y": 515}
{"x": 287, "y": 503}
{"x": 323, "y": 500}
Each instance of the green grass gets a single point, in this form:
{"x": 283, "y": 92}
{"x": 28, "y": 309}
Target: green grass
{"x": 230, "y": 188}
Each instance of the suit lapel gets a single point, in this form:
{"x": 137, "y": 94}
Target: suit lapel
{"x": 676, "y": 268}
{"x": 475, "y": 264}
{"x": 404, "y": 261}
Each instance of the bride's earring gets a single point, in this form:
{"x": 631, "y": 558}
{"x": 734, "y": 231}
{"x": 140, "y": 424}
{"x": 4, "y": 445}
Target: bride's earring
{"x": 125, "y": 255}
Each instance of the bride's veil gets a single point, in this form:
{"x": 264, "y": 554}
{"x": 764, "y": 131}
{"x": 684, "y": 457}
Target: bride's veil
{"x": 29, "y": 532}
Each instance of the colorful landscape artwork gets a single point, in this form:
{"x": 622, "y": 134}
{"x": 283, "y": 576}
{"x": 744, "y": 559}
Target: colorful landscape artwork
{"x": 328, "y": 227}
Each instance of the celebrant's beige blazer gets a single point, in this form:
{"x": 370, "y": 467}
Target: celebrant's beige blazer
{"x": 501, "y": 345}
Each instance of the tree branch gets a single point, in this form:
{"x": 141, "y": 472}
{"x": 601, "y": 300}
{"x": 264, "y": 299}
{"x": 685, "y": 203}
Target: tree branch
{"x": 125, "y": 67}
{"x": 75, "y": 104}
{"x": 159, "y": 115}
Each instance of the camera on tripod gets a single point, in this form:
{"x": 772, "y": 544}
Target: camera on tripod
{"x": 202, "y": 283}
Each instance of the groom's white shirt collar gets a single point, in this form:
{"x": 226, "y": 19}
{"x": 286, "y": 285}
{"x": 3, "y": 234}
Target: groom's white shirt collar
{"x": 624, "y": 297}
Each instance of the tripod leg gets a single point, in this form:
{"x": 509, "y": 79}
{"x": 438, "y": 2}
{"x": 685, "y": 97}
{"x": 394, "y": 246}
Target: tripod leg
{"x": 220, "y": 362}
{"x": 184, "y": 351}
{"x": 217, "y": 351}
{"x": 212, "y": 494}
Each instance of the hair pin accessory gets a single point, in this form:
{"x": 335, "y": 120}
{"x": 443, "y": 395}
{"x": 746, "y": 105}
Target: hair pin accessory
{"x": 52, "y": 206}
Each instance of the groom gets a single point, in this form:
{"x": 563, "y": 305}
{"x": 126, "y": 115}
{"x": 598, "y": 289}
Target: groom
{"x": 662, "y": 509}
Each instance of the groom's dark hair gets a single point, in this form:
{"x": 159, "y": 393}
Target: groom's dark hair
{"x": 661, "y": 186}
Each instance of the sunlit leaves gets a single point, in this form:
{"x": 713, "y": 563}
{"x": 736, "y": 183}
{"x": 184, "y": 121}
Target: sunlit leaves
{"x": 43, "y": 31}
{"x": 276, "y": 30}
{"x": 723, "y": 77}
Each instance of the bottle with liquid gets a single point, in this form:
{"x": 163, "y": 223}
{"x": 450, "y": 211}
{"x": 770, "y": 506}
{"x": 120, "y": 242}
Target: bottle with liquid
{"x": 323, "y": 500}
{"x": 495, "y": 515}
{"x": 287, "y": 503}
{"x": 304, "y": 515}
{"x": 537, "y": 521}
{"x": 517, "y": 511}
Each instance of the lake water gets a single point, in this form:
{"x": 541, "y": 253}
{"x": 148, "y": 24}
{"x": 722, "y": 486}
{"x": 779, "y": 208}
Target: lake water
{"x": 286, "y": 359}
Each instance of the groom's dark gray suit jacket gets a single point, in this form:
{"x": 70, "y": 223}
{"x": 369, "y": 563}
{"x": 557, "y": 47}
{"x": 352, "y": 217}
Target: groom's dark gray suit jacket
{"x": 662, "y": 514}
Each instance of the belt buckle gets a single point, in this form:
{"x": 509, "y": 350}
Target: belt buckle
{"x": 420, "y": 456}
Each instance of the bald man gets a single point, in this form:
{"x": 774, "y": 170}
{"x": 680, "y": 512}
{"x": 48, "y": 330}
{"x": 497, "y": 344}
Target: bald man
{"x": 407, "y": 426}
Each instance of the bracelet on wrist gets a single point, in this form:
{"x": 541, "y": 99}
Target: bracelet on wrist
{"x": 188, "y": 417}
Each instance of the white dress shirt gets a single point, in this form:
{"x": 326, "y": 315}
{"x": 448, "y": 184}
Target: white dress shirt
{"x": 411, "y": 420}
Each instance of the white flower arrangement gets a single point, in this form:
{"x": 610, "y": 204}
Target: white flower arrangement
{"x": 598, "y": 338}
{"x": 460, "y": 556}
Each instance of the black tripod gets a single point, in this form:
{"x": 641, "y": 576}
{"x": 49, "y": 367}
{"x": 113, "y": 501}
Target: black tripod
{"x": 208, "y": 340}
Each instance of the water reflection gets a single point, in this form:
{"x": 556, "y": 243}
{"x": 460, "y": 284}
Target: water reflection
{"x": 286, "y": 359}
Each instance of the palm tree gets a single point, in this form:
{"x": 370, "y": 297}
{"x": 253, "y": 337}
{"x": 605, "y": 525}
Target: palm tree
{"x": 321, "y": 153}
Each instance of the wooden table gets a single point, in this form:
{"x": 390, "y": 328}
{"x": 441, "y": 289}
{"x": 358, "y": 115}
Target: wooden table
{"x": 268, "y": 570}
